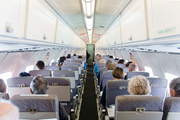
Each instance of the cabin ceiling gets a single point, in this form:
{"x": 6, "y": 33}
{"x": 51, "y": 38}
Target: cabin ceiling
{"x": 106, "y": 11}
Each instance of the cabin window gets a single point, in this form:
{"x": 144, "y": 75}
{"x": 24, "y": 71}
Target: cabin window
{"x": 51, "y": 61}
{"x": 28, "y": 68}
{"x": 5, "y": 76}
{"x": 148, "y": 69}
{"x": 170, "y": 77}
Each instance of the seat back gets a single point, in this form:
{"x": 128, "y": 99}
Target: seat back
{"x": 115, "y": 88}
{"x": 73, "y": 68}
{"x": 120, "y": 65}
{"x": 54, "y": 63}
{"x": 103, "y": 69}
{"x": 65, "y": 74}
{"x": 53, "y": 68}
{"x": 136, "y": 73}
{"x": 4, "y": 96}
{"x": 19, "y": 85}
{"x": 171, "y": 108}
{"x": 40, "y": 73}
{"x": 107, "y": 75}
{"x": 60, "y": 87}
{"x": 100, "y": 65}
{"x": 76, "y": 64}
{"x": 126, "y": 69}
{"x": 158, "y": 87}
{"x": 79, "y": 61}
{"x": 42, "y": 106}
{"x": 66, "y": 61}
{"x": 138, "y": 107}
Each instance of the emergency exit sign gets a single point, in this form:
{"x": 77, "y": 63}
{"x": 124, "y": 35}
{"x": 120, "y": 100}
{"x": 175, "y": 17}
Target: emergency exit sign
{"x": 167, "y": 30}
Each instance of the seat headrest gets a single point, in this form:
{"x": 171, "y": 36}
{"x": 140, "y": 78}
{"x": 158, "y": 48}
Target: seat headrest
{"x": 130, "y": 103}
{"x": 42, "y": 103}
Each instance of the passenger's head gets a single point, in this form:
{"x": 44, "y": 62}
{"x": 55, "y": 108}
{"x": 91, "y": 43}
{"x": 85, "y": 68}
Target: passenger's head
{"x": 39, "y": 85}
{"x": 175, "y": 87}
{"x": 40, "y": 65}
{"x": 121, "y": 61}
{"x": 99, "y": 57}
{"x": 118, "y": 73}
{"x": 139, "y": 85}
{"x": 107, "y": 62}
{"x": 69, "y": 56}
{"x": 8, "y": 111}
{"x": 133, "y": 67}
{"x": 111, "y": 56}
{"x": 2, "y": 86}
{"x": 116, "y": 59}
{"x": 79, "y": 56}
{"x": 62, "y": 59}
{"x": 128, "y": 63}
{"x": 111, "y": 66}
{"x": 101, "y": 60}
{"x": 74, "y": 55}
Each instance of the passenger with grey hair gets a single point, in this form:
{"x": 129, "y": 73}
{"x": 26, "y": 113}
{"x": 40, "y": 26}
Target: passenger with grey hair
{"x": 2, "y": 86}
{"x": 132, "y": 67}
{"x": 8, "y": 111}
{"x": 39, "y": 85}
{"x": 107, "y": 62}
{"x": 175, "y": 87}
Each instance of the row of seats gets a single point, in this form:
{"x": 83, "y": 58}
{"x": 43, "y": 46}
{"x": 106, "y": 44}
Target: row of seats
{"x": 61, "y": 85}
{"x": 146, "y": 108}
{"x": 120, "y": 87}
{"x": 115, "y": 88}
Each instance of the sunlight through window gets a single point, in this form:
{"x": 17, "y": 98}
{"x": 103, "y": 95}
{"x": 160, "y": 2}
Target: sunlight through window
{"x": 28, "y": 68}
{"x": 5, "y": 76}
{"x": 51, "y": 61}
{"x": 148, "y": 69}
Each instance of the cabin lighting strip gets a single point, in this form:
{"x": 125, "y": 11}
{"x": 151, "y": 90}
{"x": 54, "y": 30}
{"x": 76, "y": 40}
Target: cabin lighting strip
{"x": 88, "y": 8}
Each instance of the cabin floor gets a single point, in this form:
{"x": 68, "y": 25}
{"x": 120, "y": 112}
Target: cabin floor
{"x": 89, "y": 104}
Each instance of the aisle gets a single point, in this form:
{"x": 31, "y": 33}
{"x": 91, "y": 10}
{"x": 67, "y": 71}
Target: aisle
{"x": 89, "y": 106}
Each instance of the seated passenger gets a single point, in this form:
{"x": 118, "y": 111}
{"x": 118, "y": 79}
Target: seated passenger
{"x": 139, "y": 85}
{"x": 121, "y": 61}
{"x": 40, "y": 65}
{"x": 118, "y": 74}
{"x": 39, "y": 85}
{"x": 24, "y": 74}
{"x": 96, "y": 66}
{"x": 128, "y": 63}
{"x": 79, "y": 56}
{"x": 174, "y": 92}
{"x": 61, "y": 61}
{"x": 175, "y": 87}
{"x": 132, "y": 67}
{"x": 111, "y": 56}
{"x": 107, "y": 62}
{"x": 8, "y": 111}
{"x": 68, "y": 56}
{"x": 2, "y": 86}
{"x": 116, "y": 59}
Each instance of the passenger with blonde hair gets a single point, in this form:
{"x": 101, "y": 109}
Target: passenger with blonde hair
{"x": 118, "y": 74}
{"x": 111, "y": 66}
{"x": 139, "y": 85}
{"x": 8, "y": 111}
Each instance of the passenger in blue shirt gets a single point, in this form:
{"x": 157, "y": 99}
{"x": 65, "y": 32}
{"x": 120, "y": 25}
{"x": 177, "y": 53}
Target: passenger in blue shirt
{"x": 118, "y": 74}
